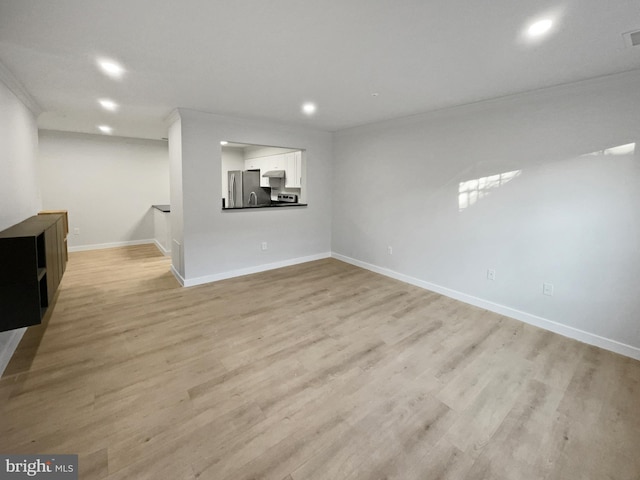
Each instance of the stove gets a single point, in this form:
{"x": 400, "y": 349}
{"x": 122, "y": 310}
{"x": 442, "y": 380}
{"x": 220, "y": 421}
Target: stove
{"x": 287, "y": 198}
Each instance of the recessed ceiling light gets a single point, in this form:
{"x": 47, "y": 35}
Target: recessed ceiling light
{"x": 105, "y": 129}
{"x": 223, "y": 142}
{"x": 111, "y": 68}
{"x": 539, "y": 28}
{"x": 108, "y": 104}
{"x": 309, "y": 108}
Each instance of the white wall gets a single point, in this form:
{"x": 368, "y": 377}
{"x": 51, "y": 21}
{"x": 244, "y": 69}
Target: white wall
{"x": 107, "y": 184}
{"x": 175, "y": 174}
{"x": 569, "y": 218}
{"x": 19, "y": 189}
{"x": 219, "y": 244}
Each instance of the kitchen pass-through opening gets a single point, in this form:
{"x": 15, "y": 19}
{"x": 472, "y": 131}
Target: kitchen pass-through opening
{"x": 257, "y": 176}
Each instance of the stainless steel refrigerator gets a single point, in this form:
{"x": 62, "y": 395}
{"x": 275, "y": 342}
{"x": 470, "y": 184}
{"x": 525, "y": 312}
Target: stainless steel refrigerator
{"x": 245, "y": 190}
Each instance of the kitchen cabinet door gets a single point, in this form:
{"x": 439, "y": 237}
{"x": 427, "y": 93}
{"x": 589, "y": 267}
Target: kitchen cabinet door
{"x": 253, "y": 164}
{"x": 294, "y": 170}
{"x": 274, "y": 162}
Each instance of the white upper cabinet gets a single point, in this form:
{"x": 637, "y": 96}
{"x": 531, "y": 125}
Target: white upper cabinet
{"x": 274, "y": 162}
{"x": 293, "y": 162}
{"x": 253, "y": 164}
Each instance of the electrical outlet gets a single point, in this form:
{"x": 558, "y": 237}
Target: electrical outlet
{"x": 491, "y": 274}
{"x": 264, "y": 246}
{"x": 390, "y": 250}
{"x": 547, "y": 289}
{"x": 76, "y": 231}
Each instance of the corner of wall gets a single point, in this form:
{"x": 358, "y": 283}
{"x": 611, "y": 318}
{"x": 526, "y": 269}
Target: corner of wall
{"x": 9, "y": 342}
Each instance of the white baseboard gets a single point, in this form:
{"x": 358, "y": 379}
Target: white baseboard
{"x": 565, "y": 330}
{"x": 163, "y": 250}
{"x": 176, "y": 274}
{"x": 10, "y": 347}
{"x": 190, "y": 282}
{"x": 101, "y": 246}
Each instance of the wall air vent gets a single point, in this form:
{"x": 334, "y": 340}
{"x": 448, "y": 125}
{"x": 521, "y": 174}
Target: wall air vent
{"x": 632, "y": 39}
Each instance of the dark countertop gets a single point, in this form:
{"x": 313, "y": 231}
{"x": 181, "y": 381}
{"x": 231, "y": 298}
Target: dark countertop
{"x": 30, "y": 227}
{"x": 163, "y": 208}
{"x": 268, "y": 205}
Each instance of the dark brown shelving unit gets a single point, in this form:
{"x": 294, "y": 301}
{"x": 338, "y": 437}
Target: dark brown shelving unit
{"x": 33, "y": 258}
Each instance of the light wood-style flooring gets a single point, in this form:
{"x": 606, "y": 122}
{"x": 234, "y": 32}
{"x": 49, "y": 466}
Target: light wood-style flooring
{"x": 316, "y": 371}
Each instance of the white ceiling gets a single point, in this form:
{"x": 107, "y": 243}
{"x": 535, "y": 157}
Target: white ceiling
{"x": 262, "y": 59}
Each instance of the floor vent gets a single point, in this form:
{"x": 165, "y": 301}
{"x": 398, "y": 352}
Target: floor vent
{"x": 632, "y": 38}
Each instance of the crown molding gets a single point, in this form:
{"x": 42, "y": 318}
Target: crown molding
{"x": 13, "y": 84}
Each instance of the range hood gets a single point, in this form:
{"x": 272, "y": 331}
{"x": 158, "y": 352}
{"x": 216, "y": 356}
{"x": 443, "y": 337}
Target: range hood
{"x": 274, "y": 174}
